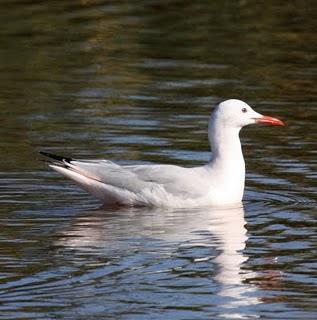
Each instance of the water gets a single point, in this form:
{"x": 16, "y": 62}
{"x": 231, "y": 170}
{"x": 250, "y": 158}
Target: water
{"x": 135, "y": 81}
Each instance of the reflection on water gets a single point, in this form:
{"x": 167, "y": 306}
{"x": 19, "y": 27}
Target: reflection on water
{"x": 170, "y": 245}
{"x": 198, "y": 263}
{"x": 135, "y": 82}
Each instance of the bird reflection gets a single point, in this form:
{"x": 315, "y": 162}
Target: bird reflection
{"x": 181, "y": 234}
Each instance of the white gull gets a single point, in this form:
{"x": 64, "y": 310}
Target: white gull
{"x": 219, "y": 182}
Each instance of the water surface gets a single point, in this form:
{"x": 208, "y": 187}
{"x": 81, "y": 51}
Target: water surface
{"x": 135, "y": 81}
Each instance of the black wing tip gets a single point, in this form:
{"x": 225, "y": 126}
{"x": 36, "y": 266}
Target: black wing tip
{"x": 56, "y": 157}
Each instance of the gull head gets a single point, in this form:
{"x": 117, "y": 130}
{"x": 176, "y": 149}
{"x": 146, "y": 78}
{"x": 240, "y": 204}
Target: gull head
{"x": 237, "y": 114}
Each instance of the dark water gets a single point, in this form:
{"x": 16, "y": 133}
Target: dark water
{"x": 135, "y": 81}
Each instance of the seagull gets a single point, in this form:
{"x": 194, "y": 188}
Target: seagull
{"x": 217, "y": 183}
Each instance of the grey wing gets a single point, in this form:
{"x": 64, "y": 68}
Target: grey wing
{"x": 176, "y": 180}
{"x": 110, "y": 173}
{"x": 173, "y": 179}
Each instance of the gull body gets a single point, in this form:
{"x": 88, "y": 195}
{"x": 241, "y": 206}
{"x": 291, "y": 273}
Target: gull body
{"x": 218, "y": 182}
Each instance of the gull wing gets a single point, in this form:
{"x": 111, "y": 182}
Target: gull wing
{"x": 139, "y": 183}
{"x": 175, "y": 180}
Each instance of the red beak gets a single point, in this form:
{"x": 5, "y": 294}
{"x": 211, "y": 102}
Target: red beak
{"x": 269, "y": 120}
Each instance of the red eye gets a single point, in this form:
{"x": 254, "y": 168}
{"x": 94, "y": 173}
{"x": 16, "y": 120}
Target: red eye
{"x": 244, "y": 110}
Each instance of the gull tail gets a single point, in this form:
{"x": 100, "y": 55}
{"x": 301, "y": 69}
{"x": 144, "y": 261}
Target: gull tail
{"x": 60, "y": 160}
{"x": 108, "y": 194}
{"x": 63, "y": 166}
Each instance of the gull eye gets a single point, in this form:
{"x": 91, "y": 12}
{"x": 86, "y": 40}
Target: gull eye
{"x": 244, "y": 110}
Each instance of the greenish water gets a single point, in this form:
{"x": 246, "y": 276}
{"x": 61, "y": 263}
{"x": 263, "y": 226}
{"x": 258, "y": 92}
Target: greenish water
{"x": 135, "y": 81}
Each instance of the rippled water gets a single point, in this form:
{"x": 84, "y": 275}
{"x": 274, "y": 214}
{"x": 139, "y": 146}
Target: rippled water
{"x": 135, "y": 81}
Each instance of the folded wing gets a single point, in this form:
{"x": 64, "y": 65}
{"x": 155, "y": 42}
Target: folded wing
{"x": 141, "y": 184}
